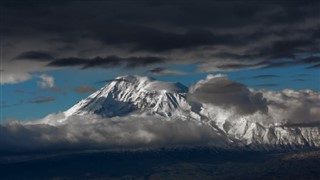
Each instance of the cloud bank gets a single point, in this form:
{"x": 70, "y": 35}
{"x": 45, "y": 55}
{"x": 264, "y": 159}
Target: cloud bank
{"x": 293, "y": 107}
{"x": 94, "y": 133}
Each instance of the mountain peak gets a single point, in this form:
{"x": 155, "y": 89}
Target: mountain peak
{"x": 133, "y": 78}
{"x": 126, "y": 94}
{"x": 149, "y": 84}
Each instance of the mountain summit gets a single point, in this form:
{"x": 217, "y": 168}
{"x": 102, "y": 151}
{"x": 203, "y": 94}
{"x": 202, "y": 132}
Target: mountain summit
{"x": 127, "y": 95}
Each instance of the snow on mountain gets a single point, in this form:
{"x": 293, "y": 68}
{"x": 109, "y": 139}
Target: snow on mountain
{"x": 136, "y": 94}
{"x": 128, "y": 94}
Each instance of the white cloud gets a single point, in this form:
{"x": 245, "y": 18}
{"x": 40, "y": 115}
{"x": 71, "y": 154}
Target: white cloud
{"x": 46, "y": 81}
{"x": 94, "y": 132}
{"x": 218, "y": 90}
{"x": 293, "y": 107}
{"x": 226, "y": 99}
{"x": 13, "y": 78}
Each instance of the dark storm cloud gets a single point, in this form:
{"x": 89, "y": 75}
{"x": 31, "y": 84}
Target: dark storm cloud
{"x": 289, "y": 48}
{"x": 153, "y": 40}
{"x": 232, "y": 34}
{"x": 158, "y": 42}
{"x": 291, "y": 62}
{"x": 42, "y": 100}
{"x": 312, "y": 59}
{"x": 107, "y": 62}
{"x": 230, "y": 55}
{"x": 35, "y": 56}
{"x": 71, "y": 61}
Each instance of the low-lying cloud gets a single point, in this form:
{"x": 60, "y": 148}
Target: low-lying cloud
{"x": 293, "y": 107}
{"x": 93, "y": 132}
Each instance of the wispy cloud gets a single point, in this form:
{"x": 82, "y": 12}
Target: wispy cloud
{"x": 299, "y": 80}
{"x": 43, "y": 99}
{"x": 162, "y": 72}
{"x": 84, "y": 89}
{"x": 316, "y": 66}
{"x": 46, "y": 81}
{"x": 267, "y": 85}
{"x": 265, "y": 76}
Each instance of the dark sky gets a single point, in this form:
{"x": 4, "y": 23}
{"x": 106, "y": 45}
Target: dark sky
{"x": 216, "y": 35}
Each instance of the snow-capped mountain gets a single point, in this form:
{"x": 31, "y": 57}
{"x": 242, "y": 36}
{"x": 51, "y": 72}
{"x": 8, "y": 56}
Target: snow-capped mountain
{"x": 149, "y": 97}
{"x": 134, "y": 93}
